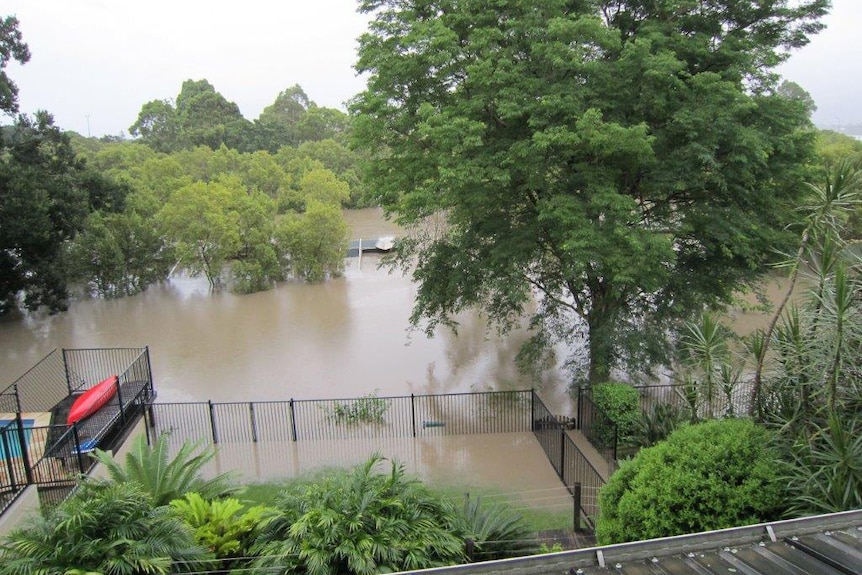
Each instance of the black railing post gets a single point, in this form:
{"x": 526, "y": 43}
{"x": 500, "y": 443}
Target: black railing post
{"x": 25, "y": 451}
{"x": 562, "y": 453}
{"x": 120, "y": 400}
{"x": 413, "y": 412}
{"x": 580, "y": 407}
{"x": 78, "y": 447}
{"x": 149, "y": 371}
{"x": 533, "y": 409}
{"x": 292, "y": 420}
{"x": 253, "y": 421}
{"x": 68, "y": 375}
{"x": 213, "y": 421}
{"x": 576, "y": 499}
{"x": 17, "y": 399}
{"x": 6, "y": 446}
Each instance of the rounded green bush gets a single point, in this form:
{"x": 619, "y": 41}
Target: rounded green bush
{"x": 621, "y": 403}
{"x": 712, "y": 475}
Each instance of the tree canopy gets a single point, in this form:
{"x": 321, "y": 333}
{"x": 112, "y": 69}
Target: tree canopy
{"x": 626, "y": 162}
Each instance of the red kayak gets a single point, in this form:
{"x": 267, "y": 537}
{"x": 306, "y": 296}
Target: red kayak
{"x": 92, "y": 400}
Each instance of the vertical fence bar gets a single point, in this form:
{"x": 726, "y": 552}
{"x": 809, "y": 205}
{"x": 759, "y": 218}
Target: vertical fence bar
{"x": 292, "y": 420}
{"x": 213, "y": 421}
{"x": 580, "y": 404}
{"x": 25, "y": 451}
{"x": 413, "y": 412}
{"x": 253, "y": 421}
{"x": 562, "y": 472}
{"x": 66, "y": 370}
{"x": 77, "y": 438}
{"x": 576, "y": 499}
{"x": 6, "y": 446}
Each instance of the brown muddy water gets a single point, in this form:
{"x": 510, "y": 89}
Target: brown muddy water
{"x": 343, "y": 338}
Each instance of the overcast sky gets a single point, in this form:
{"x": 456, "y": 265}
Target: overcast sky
{"x": 96, "y": 62}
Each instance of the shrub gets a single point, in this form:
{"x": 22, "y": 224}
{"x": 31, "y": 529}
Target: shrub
{"x": 497, "y": 531}
{"x": 223, "y": 526}
{"x": 707, "y": 476}
{"x": 365, "y": 522}
{"x": 658, "y": 423}
{"x": 621, "y": 403}
{"x": 167, "y": 478}
{"x": 113, "y": 529}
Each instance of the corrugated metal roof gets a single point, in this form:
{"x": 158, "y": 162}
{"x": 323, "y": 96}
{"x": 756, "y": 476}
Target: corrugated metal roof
{"x": 822, "y": 545}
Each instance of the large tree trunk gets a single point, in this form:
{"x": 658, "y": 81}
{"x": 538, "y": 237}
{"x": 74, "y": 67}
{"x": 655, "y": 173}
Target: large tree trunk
{"x": 601, "y": 346}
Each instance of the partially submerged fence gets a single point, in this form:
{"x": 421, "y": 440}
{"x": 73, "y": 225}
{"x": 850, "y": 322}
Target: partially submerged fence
{"x": 52, "y": 456}
{"x": 358, "y": 418}
{"x": 574, "y": 469}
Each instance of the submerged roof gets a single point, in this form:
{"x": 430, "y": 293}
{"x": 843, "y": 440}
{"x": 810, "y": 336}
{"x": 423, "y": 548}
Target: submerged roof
{"x": 825, "y": 544}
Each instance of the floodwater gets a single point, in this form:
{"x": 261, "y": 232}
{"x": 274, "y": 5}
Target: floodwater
{"x": 346, "y": 337}
{"x": 339, "y": 339}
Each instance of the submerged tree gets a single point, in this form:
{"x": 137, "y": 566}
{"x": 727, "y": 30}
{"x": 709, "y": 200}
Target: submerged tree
{"x": 625, "y": 165}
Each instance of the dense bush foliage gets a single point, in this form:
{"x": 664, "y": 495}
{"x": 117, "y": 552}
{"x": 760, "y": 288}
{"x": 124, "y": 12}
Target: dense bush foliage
{"x": 223, "y": 526}
{"x": 112, "y": 529}
{"x": 621, "y": 403}
{"x": 366, "y": 522}
{"x": 706, "y": 476}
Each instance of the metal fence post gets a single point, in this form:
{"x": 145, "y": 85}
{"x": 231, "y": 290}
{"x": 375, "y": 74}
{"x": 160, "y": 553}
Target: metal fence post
{"x": 212, "y": 420}
{"x": 68, "y": 375}
{"x": 25, "y": 451}
{"x": 576, "y": 498}
{"x": 413, "y": 412}
{"x": 78, "y": 447}
{"x": 253, "y": 421}
{"x": 6, "y": 446}
{"x": 533, "y": 409}
{"x": 292, "y": 420}
{"x": 580, "y": 407}
{"x": 562, "y": 453}
{"x": 120, "y": 401}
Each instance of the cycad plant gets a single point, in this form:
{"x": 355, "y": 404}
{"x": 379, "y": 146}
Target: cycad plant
{"x": 364, "y": 522}
{"x": 496, "y": 531}
{"x": 111, "y": 529}
{"x": 223, "y": 526}
{"x": 164, "y": 477}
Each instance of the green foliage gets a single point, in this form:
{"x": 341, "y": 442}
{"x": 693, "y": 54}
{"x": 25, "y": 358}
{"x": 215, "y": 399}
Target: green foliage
{"x": 367, "y": 409}
{"x": 824, "y": 472}
{"x": 622, "y": 404}
{"x": 630, "y": 167}
{"x": 12, "y": 47}
{"x": 223, "y": 526}
{"x": 163, "y": 477}
{"x": 314, "y": 243}
{"x": 112, "y": 529}
{"x": 707, "y": 476}
{"x": 711, "y": 371}
{"x": 496, "y": 531}
{"x": 365, "y": 522}
{"x": 46, "y": 194}
{"x": 658, "y": 423}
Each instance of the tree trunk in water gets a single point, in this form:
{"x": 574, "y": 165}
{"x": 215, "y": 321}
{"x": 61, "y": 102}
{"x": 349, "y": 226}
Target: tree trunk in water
{"x": 601, "y": 348}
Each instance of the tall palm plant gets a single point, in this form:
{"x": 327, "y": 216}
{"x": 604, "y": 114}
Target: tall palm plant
{"x": 112, "y": 529}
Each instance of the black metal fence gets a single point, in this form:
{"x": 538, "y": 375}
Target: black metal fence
{"x": 573, "y": 468}
{"x": 357, "y": 418}
{"x": 714, "y": 402}
{"x": 53, "y": 456}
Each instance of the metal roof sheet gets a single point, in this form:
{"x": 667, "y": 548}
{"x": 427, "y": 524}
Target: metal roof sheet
{"x": 822, "y": 545}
